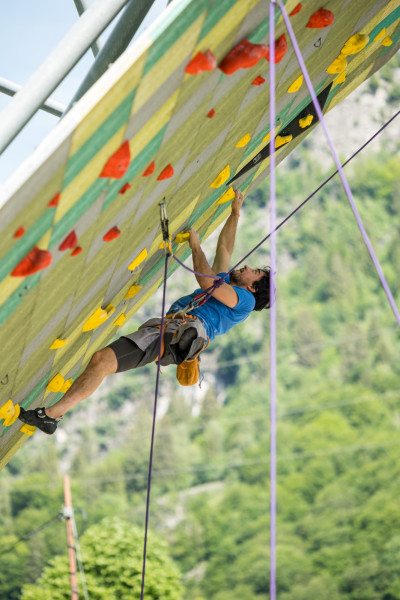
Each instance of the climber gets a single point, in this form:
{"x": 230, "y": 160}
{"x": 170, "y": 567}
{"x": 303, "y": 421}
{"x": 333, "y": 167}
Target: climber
{"x": 188, "y": 326}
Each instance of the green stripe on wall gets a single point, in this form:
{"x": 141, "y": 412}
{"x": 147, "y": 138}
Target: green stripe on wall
{"x": 68, "y": 221}
{"x": 215, "y": 13}
{"x": 173, "y": 32}
{"x": 100, "y": 137}
{"x": 18, "y": 296}
{"x": 387, "y": 21}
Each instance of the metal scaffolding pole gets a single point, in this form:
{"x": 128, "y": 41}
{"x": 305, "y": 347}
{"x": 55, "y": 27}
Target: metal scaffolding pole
{"x": 51, "y": 106}
{"x": 123, "y": 32}
{"x": 55, "y": 68}
{"x": 81, "y": 6}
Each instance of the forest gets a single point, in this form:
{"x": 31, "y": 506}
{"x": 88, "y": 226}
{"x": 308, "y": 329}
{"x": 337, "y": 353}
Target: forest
{"x": 338, "y": 469}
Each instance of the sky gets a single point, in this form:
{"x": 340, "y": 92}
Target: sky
{"x": 30, "y": 30}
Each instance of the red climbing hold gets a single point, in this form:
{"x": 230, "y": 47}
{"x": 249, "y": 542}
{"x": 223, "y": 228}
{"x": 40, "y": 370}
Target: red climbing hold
{"x": 33, "y": 262}
{"x": 211, "y": 114}
{"x": 296, "y": 10}
{"x": 243, "y": 56}
{"x": 113, "y": 233}
{"x": 20, "y": 232}
{"x": 124, "y": 188}
{"x": 166, "y": 173}
{"x": 258, "y": 80}
{"x": 117, "y": 165}
{"x": 203, "y": 61}
{"x": 70, "y": 242}
{"x": 149, "y": 170}
{"x": 280, "y": 48}
{"x": 76, "y": 251}
{"x": 321, "y": 18}
{"x": 54, "y": 201}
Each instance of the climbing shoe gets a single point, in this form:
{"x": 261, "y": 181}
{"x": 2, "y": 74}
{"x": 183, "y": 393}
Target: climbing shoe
{"x": 39, "y": 419}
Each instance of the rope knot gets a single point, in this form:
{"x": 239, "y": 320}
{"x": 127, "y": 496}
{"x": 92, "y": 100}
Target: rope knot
{"x": 218, "y": 282}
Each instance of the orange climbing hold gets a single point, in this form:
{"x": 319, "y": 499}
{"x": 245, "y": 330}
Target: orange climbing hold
{"x": 54, "y": 201}
{"x": 296, "y": 10}
{"x": 117, "y": 165}
{"x": 243, "y": 56}
{"x": 124, "y": 188}
{"x": 203, "y": 61}
{"x": 112, "y": 234}
{"x": 20, "y": 232}
{"x": 211, "y": 114}
{"x": 70, "y": 242}
{"x": 34, "y": 261}
{"x": 280, "y": 48}
{"x": 258, "y": 80}
{"x": 166, "y": 173}
{"x": 320, "y": 19}
{"x": 76, "y": 251}
{"x": 149, "y": 170}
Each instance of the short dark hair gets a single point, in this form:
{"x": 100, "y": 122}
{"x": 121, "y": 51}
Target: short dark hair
{"x": 262, "y": 292}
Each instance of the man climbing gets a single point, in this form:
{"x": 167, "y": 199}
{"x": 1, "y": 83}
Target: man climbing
{"x": 188, "y": 327}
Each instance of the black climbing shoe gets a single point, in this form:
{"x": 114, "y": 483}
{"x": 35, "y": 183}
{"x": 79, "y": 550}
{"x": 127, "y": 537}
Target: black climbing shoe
{"x": 39, "y": 419}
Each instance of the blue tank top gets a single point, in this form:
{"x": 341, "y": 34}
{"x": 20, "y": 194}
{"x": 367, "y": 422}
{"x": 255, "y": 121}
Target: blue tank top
{"x": 216, "y": 317}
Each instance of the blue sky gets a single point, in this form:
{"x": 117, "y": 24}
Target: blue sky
{"x": 30, "y": 30}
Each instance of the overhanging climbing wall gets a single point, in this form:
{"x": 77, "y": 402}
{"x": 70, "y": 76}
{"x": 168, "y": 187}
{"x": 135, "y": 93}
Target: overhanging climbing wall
{"x": 80, "y": 235}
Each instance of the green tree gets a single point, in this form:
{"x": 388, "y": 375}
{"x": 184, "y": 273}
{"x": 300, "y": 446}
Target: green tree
{"x": 112, "y": 557}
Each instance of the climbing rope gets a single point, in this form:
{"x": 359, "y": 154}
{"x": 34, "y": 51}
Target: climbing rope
{"x": 272, "y": 314}
{"x": 164, "y": 228}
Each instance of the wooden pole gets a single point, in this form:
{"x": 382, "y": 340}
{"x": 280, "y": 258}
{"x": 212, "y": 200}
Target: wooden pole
{"x": 68, "y": 514}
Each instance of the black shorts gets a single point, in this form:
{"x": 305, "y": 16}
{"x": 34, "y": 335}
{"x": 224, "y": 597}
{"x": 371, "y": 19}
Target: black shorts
{"x": 130, "y": 356}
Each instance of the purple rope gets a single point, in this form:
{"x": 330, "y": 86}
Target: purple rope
{"x": 272, "y": 315}
{"x": 339, "y": 167}
{"x": 154, "y": 426}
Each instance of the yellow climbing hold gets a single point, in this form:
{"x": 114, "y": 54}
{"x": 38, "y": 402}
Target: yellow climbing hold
{"x": 227, "y": 196}
{"x": 243, "y": 141}
{"x": 96, "y": 319}
{"x": 281, "y": 140}
{"x": 338, "y": 65}
{"x": 67, "y": 385}
{"x": 340, "y": 78}
{"x": 296, "y": 85}
{"x": 55, "y": 384}
{"x": 58, "y": 343}
{"x": 132, "y": 291}
{"x": 120, "y": 321}
{"x": 181, "y": 237}
{"x": 138, "y": 260}
{"x": 28, "y": 429}
{"x": 9, "y": 412}
{"x": 222, "y": 177}
{"x": 99, "y": 317}
{"x": 381, "y": 34}
{"x": 266, "y": 137}
{"x": 387, "y": 41}
{"x": 355, "y": 44}
{"x": 306, "y": 121}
